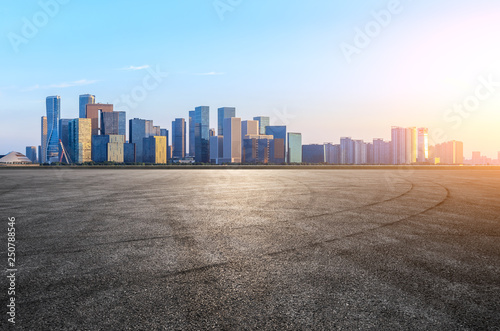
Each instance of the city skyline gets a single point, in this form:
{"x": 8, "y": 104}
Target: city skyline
{"x": 295, "y": 67}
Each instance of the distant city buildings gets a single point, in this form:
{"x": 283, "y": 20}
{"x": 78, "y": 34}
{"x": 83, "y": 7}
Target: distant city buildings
{"x": 233, "y": 141}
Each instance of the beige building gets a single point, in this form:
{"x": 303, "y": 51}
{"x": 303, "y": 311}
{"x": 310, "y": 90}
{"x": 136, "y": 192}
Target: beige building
{"x": 80, "y": 140}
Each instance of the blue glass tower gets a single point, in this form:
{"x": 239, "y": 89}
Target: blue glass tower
{"x": 179, "y": 138}
{"x": 53, "y": 105}
{"x": 277, "y": 153}
{"x": 201, "y": 134}
{"x": 224, "y": 112}
{"x": 85, "y": 99}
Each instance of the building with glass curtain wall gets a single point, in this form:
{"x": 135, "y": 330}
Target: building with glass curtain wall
{"x": 263, "y": 122}
{"x": 85, "y": 99}
{"x": 294, "y": 142}
{"x": 222, "y": 113}
{"x": 201, "y": 134}
{"x": 179, "y": 138}
{"x": 53, "y": 104}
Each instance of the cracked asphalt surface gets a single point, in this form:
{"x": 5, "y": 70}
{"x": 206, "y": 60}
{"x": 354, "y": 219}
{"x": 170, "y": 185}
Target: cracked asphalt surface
{"x": 254, "y": 249}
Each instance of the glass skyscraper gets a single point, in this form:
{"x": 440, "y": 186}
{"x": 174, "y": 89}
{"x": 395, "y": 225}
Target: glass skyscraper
{"x": 201, "y": 135}
{"x": 222, "y": 113}
{"x": 191, "y": 133}
{"x": 113, "y": 123}
{"x": 179, "y": 138}
{"x": 42, "y": 154}
{"x": 53, "y": 104}
{"x": 263, "y": 122}
{"x": 85, "y": 99}
{"x": 294, "y": 148}
{"x": 277, "y": 153}
{"x": 138, "y": 130}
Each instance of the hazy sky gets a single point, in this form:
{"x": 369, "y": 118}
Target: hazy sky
{"x": 324, "y": 68}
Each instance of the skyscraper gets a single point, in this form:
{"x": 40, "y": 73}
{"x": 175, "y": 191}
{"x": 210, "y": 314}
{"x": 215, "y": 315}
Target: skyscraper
{"x": 216, "y": 149}
{"x": 80, "y": 140}
{"x": 85, "y": 99}
{"x": 399, "y": 147}
{"x": 64, "y": 137}
{"x": 164, "y": 133}
{"x": 179, "y": 138}
{"x": 93, "y": 112}
{"x": 277, "y": 152}
{"x": 113, "y": 123}
{"x": 108, "y": 148}
{"x": 249, "y": 127}
{"x": 201, "y": 142}
{"x": 294, "y": 142}
{"x": 332, "y": 153}
{"x": 232, "y": 140}
{"x": 31, "y": 153}
{"x": 412, "y": 144}
{"x": 360, "y": 152}
{"x": 263, "y": 122}
{"x": 42, "y": 155}
{"x": 381, "y": 151}
{"x": 191, "y": 133}
{"x": 53, "y": 104}
{"x": 346, "y": 150}
{"x": 423, "y": 145}
{"x": 138, "y": 130}
{"x": 155, "y": 149}
{"x": 222, "y": 113}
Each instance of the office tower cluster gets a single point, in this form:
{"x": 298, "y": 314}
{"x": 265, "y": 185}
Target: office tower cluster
{"x": 99, "y": 134}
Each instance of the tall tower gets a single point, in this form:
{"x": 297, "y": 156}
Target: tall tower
{"x": 201, "y": 135}
{"x": 80, "y": 140}
{"x": 222, "y": 113}
{"x": 179, "y": 138}
{"x": 191, "y": 133}
{"x": 263, "y": 122}
{"x": 53, "y": 104}
{"x": 398, "y": 139}
{"x": 412, "y": 142}
{"x": 85, "y": 99}
{"x": 42, "y": 155}
{"x": 232, "y": 140}
{"x": 423, "y": 145}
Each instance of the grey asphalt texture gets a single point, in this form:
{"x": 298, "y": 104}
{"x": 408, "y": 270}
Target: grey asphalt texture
{"x": 254, "y": 249}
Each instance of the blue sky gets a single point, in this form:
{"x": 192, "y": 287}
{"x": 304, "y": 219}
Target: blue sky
{"x": 279, "y": 58}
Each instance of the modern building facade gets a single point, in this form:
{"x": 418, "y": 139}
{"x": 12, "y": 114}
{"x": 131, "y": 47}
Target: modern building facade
{"x": 294, "y": 144}
{"x": 314, "y": 153}
{"x": 263, "y": 122}
{"x": 155, "y": 150}
{"x": 85, "y": 99}
{"x": 64, "y": 138}
{"x": 423, "y": 145}
{"x": 114, "y": 123}
{"x": 381, "y": 151}
{"x": 346, "y": 150}
{"x": 232, "y": 140}
{"x": 451, "y": 152}
{"x": 256, "y": 149}
{"x": 332, "y": 153}
{"x": 250, "y": 128}
{"x": 179, "y": 138}
{"x": 222, "y": 113}
{"x": 80, "y": 140}
{"x": 202, "y": 123}
{"x": 108, "y": 148}
{"x": 94, "y": 113}
{"x": 42, "y": 154}
{"x": 191, "y": 133}
{"x": 31, "y": 153}
{"x": 53, "y": 105}
{"x": 138, "y": 130}
{"x": 277, "y": 148}
{"x": 399, "y": 145}
{"x": 216, "y": 149}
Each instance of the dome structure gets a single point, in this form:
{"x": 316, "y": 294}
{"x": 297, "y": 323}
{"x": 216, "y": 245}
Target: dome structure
{"x": 15, "y": 158}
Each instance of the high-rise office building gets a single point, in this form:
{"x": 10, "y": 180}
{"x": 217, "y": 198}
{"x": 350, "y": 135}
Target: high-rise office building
{"x": 232, "y": 140}
{"x": 85, "y": 99}
{"x": 332, "y": 153}
{"x": 94, "y": 113}
{"x": 42, "y": 155}
{"x": 201, "y": 141}
{"x": 256, "y": 149}
{"x": 80, "y": 140}
{"x": 451, "y": 152}
{"x": 53, "y": 104}
{"x": 313, "y": 153}
{"x": 114, "y": 123}
{"x": 249, "y": 127}
{"x": 31, "y": 153}
{"x": 381, "y": 151}
{"x": 179, "y": 138}
{"x": 222, "y": 113}
{"x": 423, "y": 145}
{"x": 108, "y": 148}
{"x": 277, "y": 148}
{"x": 360, "y": 152}
{"x": 129, "y": 153}
{"x": 346, "y": 150}
{"x": 294, "y": 143}
{"x": 399, "y": 145}
{"x": 216, "y": 149}
{"x": 138, "y": 130}
{"x": 164, "y": 133}
{"x": 191, "y": 133}
{"x": 412, "y": 145}
{"x": 155, "y": 149}
{"x": 263, "y": 122}
{"x": 64, "y": 137}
